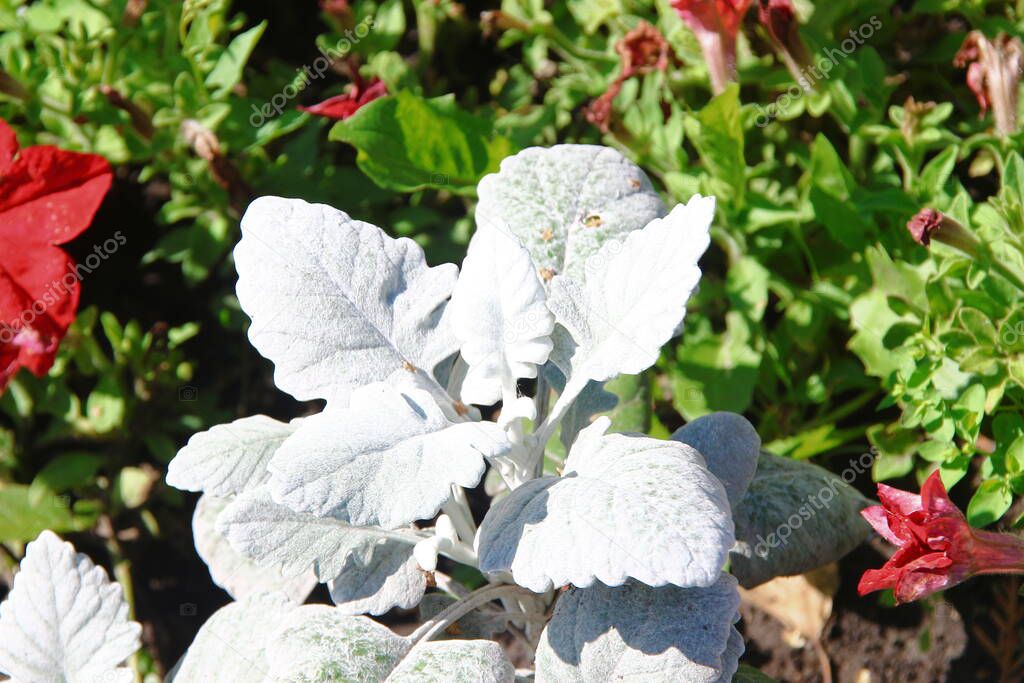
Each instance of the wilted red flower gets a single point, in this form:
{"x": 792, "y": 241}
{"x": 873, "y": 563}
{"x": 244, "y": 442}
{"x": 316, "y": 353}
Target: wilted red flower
{"x": 929, "y": 224}
{"x": 47, "y": 197}
{"x": 923, "y": 225}
{"x": 641, "y": 51}
{"x": 993, "y": 75}
{"x": 779, "y": 19}
{"x": 937, "y": 548}
{"x": 716, "y": 24}
{"x": 340, "y": 107}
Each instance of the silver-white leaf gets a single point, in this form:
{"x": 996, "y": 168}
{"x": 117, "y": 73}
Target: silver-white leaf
{"x": 642, "y": 634}
{"x": 320, "y": 644}
{"x": 389, "y": 459}
{"x": 239, "y": 575}
{"x": 625, "y": 507}
{"x": 64, "y": 621}
{"x": 564, "y": 202}
{"x": 498, "y": 314}
{"x": 231, "y": 645}
{"x": 335, "y": 303}
{"x": 631, "y": 298}
{"x": 455, "y": 661}
{"x": 229, "y": 458}
{"x": 272, "y": 534}
{"x": 377, "y": 578}
{"x": 730, "y": 446}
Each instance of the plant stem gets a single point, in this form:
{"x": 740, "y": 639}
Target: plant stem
{"x": 479, "y": 597}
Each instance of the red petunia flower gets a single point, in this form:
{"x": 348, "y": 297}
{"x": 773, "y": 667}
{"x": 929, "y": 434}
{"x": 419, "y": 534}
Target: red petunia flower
{"x": 641, "y": 51}
{"x": 716, "y": 24}
{"x": 993, "y": 75}
{"x": 48, "y": 197}
{"x": 340, "y": 107}
{"x": 937, "y": 548}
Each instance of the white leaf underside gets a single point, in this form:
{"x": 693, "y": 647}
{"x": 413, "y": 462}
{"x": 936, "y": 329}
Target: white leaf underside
{"x": 230, "y": 458}
{"x": 231, "y": 645}
{"x": 631, "y": 298}
{"x": 377, "y": 578}
{"x": 270, "y": 533}
{"x": 498, "y": 315}
{"x": 642, "y": 634}
{"x": 564, "y": 202}
{"x": 64, "y": 621}
{"x": 389, "y": 459}
{"x": 335, "y": 303}
{"x": 237, "y": 574}
{"x": 625, "y": 507}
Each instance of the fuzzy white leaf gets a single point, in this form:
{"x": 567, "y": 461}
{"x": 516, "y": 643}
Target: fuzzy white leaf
{"x": 229, "y": 458}
{"x": 498, "y": 315}
{"x": 389, "y": 459}
{"x": 377, "y": 578}
{"x": 455, "y": 661}
{"x": 231, "y": 645}
{"x": 564, "y": 202}
{"x": 335, "y": 303}
{"x": 269, "y": 533}
{"x": 232, "y": 571}
{"x": 632, "y": 296}
{"x": 638, "y": 633}
{"x": 64, "y": 621}
{"x": 320, "y": 644}
{"x": 730, "y": 446}
{"x": 625, "y": 507}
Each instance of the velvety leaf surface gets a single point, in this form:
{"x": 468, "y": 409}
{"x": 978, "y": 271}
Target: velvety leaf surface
{"x": 64, "y": 620}
{"x": 631, "y": 298}
{"x": 390, "y": 459}
{"x": 638, "y": 633}
{"x": 270, "y": 533}
{"x": 502, "y": 323}
{"x": 794, "y": 517}
{"x": 730, "y": 446}
{"x": 335, "y": 303}
{"x": 229, "y": 458}
{"x": 564, "y": 202}
{"x": 625, "y": 507}
{"x": 234, "y": 572}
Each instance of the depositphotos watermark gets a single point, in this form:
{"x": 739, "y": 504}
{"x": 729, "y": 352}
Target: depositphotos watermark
{"x": 60, "y": 288}
{"x": 813, "y": 504}
{"x": 818, "y": 71}
{"x": 310, "y": 72}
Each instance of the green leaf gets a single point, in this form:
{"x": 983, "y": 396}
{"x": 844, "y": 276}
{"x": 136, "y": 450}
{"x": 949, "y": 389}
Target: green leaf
{"x": 106, "y": 406}
{"x": 719, "y": 141}
{"x": 64, "y": 472}
{"x": 407, "y": 143}
{"x": 717, "y": 372}
{"x": 634, "y": 410}
{"x": 228, "y": 69}
{"x": 937, "y": 171}
{"x": 23, "y": 520}
{"x": 1015, "y": 456}
{"x": 748, "y": 674}
{"x": 989, "y": 503}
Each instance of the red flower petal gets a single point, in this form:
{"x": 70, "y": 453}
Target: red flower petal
{"x": 340, "y": 107}
{"x": 49, "y": 196}
{"x": 903, "y": 502}
{"x": 38, "y": 300}
{"x": 935, "y": 499}
{"x": 878, "y": 518}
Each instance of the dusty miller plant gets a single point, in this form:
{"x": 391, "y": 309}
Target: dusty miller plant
{"x": 609, "y": 568}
